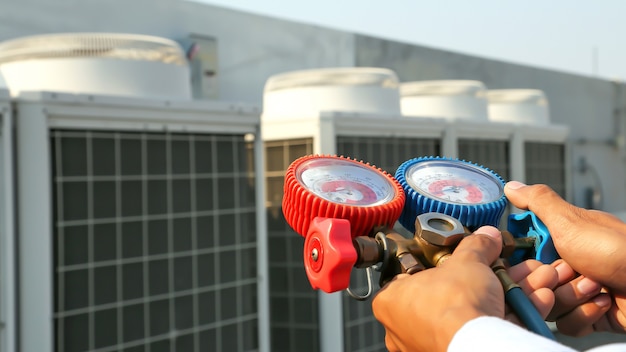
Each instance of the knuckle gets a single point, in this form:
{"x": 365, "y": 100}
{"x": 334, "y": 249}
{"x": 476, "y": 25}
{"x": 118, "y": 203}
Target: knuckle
{"x": 540, "y": 194}
{"x": 475, "y": 248}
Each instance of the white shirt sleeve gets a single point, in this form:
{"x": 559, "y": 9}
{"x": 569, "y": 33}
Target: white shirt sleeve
{"x": 493, "y": 334}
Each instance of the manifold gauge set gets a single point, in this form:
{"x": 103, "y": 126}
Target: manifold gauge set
{"x": 346, "y": 211}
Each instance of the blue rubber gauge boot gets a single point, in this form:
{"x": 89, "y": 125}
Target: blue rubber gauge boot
{"x": 466, "y": 191}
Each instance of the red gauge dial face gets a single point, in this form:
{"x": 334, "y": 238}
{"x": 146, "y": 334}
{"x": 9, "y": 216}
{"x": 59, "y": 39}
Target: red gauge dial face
{"x": 349, "y": 192}
{"x": 345, "y": 182}
{"x": 456, "y": 190}
{"x": 454, "y": 182}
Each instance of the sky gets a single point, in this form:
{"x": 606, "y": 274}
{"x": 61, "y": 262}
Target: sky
{"x": 575, "y": 36}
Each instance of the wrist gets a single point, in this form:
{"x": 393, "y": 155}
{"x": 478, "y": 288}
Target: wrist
{"x": 452, "y": 321}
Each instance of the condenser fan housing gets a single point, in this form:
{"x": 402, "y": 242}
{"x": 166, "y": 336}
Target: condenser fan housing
{"x": 96, "y": 63}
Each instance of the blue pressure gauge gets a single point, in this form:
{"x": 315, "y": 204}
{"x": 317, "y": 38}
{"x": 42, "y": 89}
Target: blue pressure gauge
{"x": 464, "y": 190}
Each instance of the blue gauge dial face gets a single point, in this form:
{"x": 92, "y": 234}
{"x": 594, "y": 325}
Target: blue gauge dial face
{"x": 345, "y": 182}
{"x": 453, "y": 181}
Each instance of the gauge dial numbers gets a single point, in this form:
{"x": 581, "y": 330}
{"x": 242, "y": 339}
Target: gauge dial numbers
{"x": 345, "y": 182}
{"x": 460, "y": 184}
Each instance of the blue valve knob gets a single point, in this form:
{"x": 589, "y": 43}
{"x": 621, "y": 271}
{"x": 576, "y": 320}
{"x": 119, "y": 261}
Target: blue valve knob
{"x": 527, "y": 224}
{"x": 466, "y": 191}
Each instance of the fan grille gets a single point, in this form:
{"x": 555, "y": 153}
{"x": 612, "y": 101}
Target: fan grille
{"x": 103, "y": 45}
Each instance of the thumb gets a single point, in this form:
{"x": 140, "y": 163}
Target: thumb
{"x": 536, "y": 198}
{"x": 483, "y": 246}
{"x": 547, "y": 205}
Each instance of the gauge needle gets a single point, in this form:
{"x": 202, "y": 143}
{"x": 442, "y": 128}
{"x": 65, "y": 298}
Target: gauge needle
{"x": 343, "y": 190}
{"x": 454, "y": 188}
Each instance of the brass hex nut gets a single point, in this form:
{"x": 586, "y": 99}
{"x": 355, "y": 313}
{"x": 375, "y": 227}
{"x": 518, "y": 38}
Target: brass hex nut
{"x": 439, "y": 229}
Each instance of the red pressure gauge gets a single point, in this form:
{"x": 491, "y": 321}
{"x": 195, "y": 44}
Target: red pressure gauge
{"x": 329, "y": 200}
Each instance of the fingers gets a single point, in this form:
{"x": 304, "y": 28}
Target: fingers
{"x": 604, "y": 324}
{"x": 532, "y": 275}
{"x": 537, "y": 281}
{"x": 523, "y": 269}
{"x": 390, "y": 343}
{"x": 564, "y": 271}
{"x": 617, "y": 314}
{"x": 580, "y": 307}
{"x": 580, "y": 321}
{"x": 483, "y": 246}
{"x": 587, "y": 240}
{"x": 583, "y": 306}
{"x": 573, "y": 294}
{"x": 543, "y": 300}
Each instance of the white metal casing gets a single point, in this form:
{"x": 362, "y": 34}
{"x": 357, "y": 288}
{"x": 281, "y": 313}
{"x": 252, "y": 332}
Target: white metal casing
{"x": 522, "y": 106}
{"x": 361, "y": 89}
{"x": 37, "y": 114}
{"x": 447, "y": 99}
{"x": 8, "y": 328}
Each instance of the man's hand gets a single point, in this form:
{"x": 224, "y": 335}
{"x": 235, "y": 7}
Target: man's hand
{"x": 422, "y": 312}
{"x": 591, "y": 293}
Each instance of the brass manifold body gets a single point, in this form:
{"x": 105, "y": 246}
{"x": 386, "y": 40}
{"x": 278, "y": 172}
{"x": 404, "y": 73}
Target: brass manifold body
{"x": 435, "y": 238}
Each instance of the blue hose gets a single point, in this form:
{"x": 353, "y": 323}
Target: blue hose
{"x": 527, "y": 313}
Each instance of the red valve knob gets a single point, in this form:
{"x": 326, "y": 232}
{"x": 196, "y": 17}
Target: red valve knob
{"x": 329, "y": 254}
